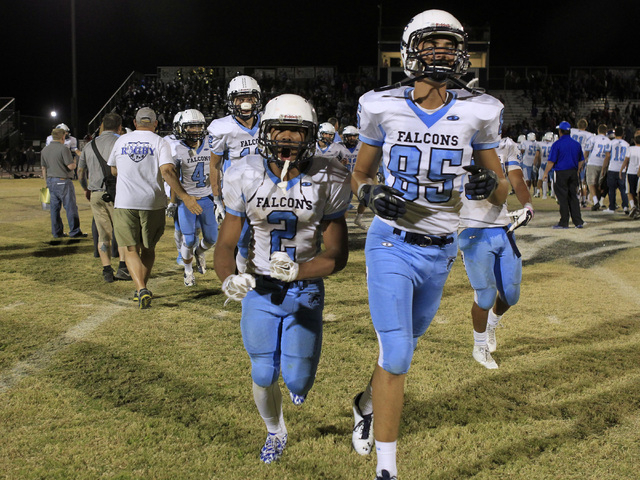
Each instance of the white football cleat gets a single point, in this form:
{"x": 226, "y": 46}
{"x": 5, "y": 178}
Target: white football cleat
{"x": 483, "y": 357}
{"x": 189, "y": 279}
{"x": 273, "y": 447}
{"x": 362, "y": 435}
{"x": 201, "y": 263}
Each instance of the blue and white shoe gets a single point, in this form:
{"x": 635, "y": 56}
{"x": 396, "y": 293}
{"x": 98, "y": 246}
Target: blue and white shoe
{"x": 297, "y": 399}
{"x": 273, "y": 447}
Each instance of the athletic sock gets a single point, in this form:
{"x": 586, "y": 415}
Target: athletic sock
{"x": 595, "y": 200}
{"x": 107, "y": 268}
{"x": 122, "y": 265}
{"x": 632, "y": 204}
{"x": 188, "y": 268}
{"x": 480, "y": 338}
{"x": 386, "y": 453}
{"x": 493, "y": 319}
{"x": 366, "y": 401}
{"x": 269, "y": 403}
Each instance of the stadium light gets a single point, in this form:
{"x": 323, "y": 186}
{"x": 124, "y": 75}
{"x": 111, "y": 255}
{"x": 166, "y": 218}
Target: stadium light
{"x": 54, "y": 114}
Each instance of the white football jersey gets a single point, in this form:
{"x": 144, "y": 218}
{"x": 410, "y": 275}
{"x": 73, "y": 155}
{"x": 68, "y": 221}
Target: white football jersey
{"x": 423, "y": 153}
{"x": 528, "y": 149}
{"x": 351, "y": 155}
{"x": 285, "y": 221}
{"x": 544, "y": 148}
{"x": 598, "y": 146}
{"x": 619, "y": 151}
{"x": 482, "y": 213}
{"x": 634, "y": 160}
{"x": 334, "y": 150}
{"x": 581, "y": 136}
{"x": 194, "y": 167}
{"x": 230, "y": 137}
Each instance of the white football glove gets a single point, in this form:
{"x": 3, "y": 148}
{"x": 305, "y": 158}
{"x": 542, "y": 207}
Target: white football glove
{"x": 282, "y": 267}
{"x": 520, "y": 218}
{"x": 172, "y": 210}
{"x": 217, "y": 201}
{"x": 236, "y": 287}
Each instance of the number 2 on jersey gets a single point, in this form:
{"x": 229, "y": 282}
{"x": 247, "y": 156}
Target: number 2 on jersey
{"x": 289, "y": 223}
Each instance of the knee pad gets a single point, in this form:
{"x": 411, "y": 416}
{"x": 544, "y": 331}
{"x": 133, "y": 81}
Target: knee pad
{"x": 189, "y": 240}
{"x": 264, "y": 374}
{"x": 485, "y": 297}
{"x": 300, "y": 376}
{"x": 396, "y": 359}
{"x": 511, "y": 294}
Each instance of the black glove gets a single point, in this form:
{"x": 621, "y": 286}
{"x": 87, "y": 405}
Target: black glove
{"x": 481, "y": 184}
{"x": 382, "y": 200}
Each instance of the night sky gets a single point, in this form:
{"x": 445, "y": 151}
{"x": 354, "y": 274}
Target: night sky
{"x": 115, "y": 37}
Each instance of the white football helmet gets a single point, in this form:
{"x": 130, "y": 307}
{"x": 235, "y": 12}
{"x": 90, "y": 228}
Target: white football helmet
{"x": 547, "y": 137}
{"x": 288, "y": 110}
{"x": 521, "y": 138}
{"x": 434, "y": 23}
{"x": 326, "y": 129}
{"x": 244, "y": 85}
{"x": 531, "y": 136}
{"x": 350, "y": 136}
{"x": 64, "y": 127}
{"x": 176, "y": 124}
{"x": 189, "y": 119}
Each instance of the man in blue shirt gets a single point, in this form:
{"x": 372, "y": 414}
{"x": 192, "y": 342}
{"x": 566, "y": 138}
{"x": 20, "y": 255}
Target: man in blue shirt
{"x": 567, "y": 160}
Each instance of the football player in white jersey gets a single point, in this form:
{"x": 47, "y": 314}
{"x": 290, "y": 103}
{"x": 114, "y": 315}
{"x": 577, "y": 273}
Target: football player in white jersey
{"x": 352, "y": 146}
{"x": 292, "y": 202}
{"x": 172, "y": 207}
{"x": 69, "y": 141}
{"x": 542, "y": 154}
{"x": 234, "y": 137}
{"x": 192, "y": 157}
{"x": 326, "y": 147}
{"x": 581, "y": 136}
{"x": 632, "y": 167}
{"x": 528, "y": 149}
{"x": 490, "y": 255}
{"x": 426, "y": 136}
{"x": 615, "y": 172}
{"x": 596, "y": 151}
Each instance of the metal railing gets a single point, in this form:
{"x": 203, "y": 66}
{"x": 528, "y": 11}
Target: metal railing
{"x": 94, "y": 123}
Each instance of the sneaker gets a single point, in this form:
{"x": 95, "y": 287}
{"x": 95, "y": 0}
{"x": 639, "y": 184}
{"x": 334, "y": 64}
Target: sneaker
{"x": 123, "y": 274}
{"x": 144, "y": 298}
{"x": 491, "y": 338}
{"x": 107, "y": 273}
{"x": 544, "y": 197}
{"x": 201, "y": 263}
{"x": 595, "y": 207}
{"x": 632, "y": 212}
{"x": 135, "y": 297}
{"x": 580, "y": 226}
{"x": 483, "y": 357}
{"x": 606, "y": 210}
{"x": 385, "y": 475}
{"x": 625, "y": 210}
{"x": 273, "y": 447}
{"x": 189, "y": 279}
{"x": 536, "y": 195}
{"x": 79, "y": 235}
{"x": 179, "y": 260}
{"x": 559, "y": 227}
{"x": 297, "y": 399}
{"x": 362, "y": 435}
{"x": 636, "y": 215}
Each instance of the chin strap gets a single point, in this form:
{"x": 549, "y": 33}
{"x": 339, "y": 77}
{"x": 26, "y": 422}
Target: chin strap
{"x": 283, "y": 174}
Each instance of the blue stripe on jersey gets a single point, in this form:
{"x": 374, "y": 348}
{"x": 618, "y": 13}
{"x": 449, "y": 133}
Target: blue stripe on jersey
{"x": 428, "y": 119}
{"x": 276, "y": 180}
{"x": 485, "y": 146}
{"x": 235, "y": 213}
{"x": 369, "y": 141}
{"x": 252, "y": 131}
{"x": 333, "y": 216}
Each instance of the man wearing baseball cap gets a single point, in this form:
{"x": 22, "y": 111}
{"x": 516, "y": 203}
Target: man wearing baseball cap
{"x": 566, "y": 160}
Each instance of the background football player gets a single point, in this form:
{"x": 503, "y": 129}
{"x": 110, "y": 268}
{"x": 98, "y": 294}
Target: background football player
{"x": 352, "y": 146}
{"x": 542, "y": 154}
{"x": 291, "y": 201}
{"x": 491, "y": 257}
{"x": 326, "y": 147}
{"x": 528, "y": 150}
{"x": 192, "y": 156}
{"x": 581, "y": 136}
{"x": 426, "y": 136}
{"x": 234, "y": 137}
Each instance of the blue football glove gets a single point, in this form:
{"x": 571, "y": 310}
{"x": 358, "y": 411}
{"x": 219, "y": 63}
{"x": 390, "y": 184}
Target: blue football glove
{"x": 481, "y": 184}
{"x": 384, "y": 201}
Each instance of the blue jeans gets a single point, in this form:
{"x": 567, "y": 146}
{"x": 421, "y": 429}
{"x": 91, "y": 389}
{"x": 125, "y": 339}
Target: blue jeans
{"x": 63, "y": 194}
{"x": 615, "y": 182}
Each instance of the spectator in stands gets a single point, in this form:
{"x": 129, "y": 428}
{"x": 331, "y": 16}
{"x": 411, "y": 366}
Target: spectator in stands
{"x": 566, "y": 159}
{"x": 57, "y": 168}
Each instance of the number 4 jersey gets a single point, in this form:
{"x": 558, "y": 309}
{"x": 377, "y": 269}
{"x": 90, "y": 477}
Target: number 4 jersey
{"x": 423, "y": 152}
{"x": 194, "y": 167}
{"x": 290, "y": 220}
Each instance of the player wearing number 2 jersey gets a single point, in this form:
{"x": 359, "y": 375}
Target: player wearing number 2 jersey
{"x": 292, "y": 202}
{"x": 426, "y": 136}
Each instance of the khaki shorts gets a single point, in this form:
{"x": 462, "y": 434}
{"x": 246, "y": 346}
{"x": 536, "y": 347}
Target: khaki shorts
{"x": 593, "y": 175}
{"x": 103, "y": 215}
{"x": 135, "y": 227}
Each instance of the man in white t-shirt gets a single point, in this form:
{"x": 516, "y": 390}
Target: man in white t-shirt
{"x": 140, "y": 160}
{"x": 596, "y": 151}
{"x": 615, "y": 171}
{"x": 632, "y": 166}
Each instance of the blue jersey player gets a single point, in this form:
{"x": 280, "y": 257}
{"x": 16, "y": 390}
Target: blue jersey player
{"x": 292, "y": 202}
{"x": 426, "y": 135}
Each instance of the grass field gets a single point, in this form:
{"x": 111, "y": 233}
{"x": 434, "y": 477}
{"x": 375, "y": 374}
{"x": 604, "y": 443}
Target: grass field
{"x": 91, "y": 387}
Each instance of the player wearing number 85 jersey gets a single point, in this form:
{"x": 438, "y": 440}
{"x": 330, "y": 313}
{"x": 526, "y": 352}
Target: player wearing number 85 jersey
{"x": 426, "y": 136}
{"x": 293, "y": 202}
